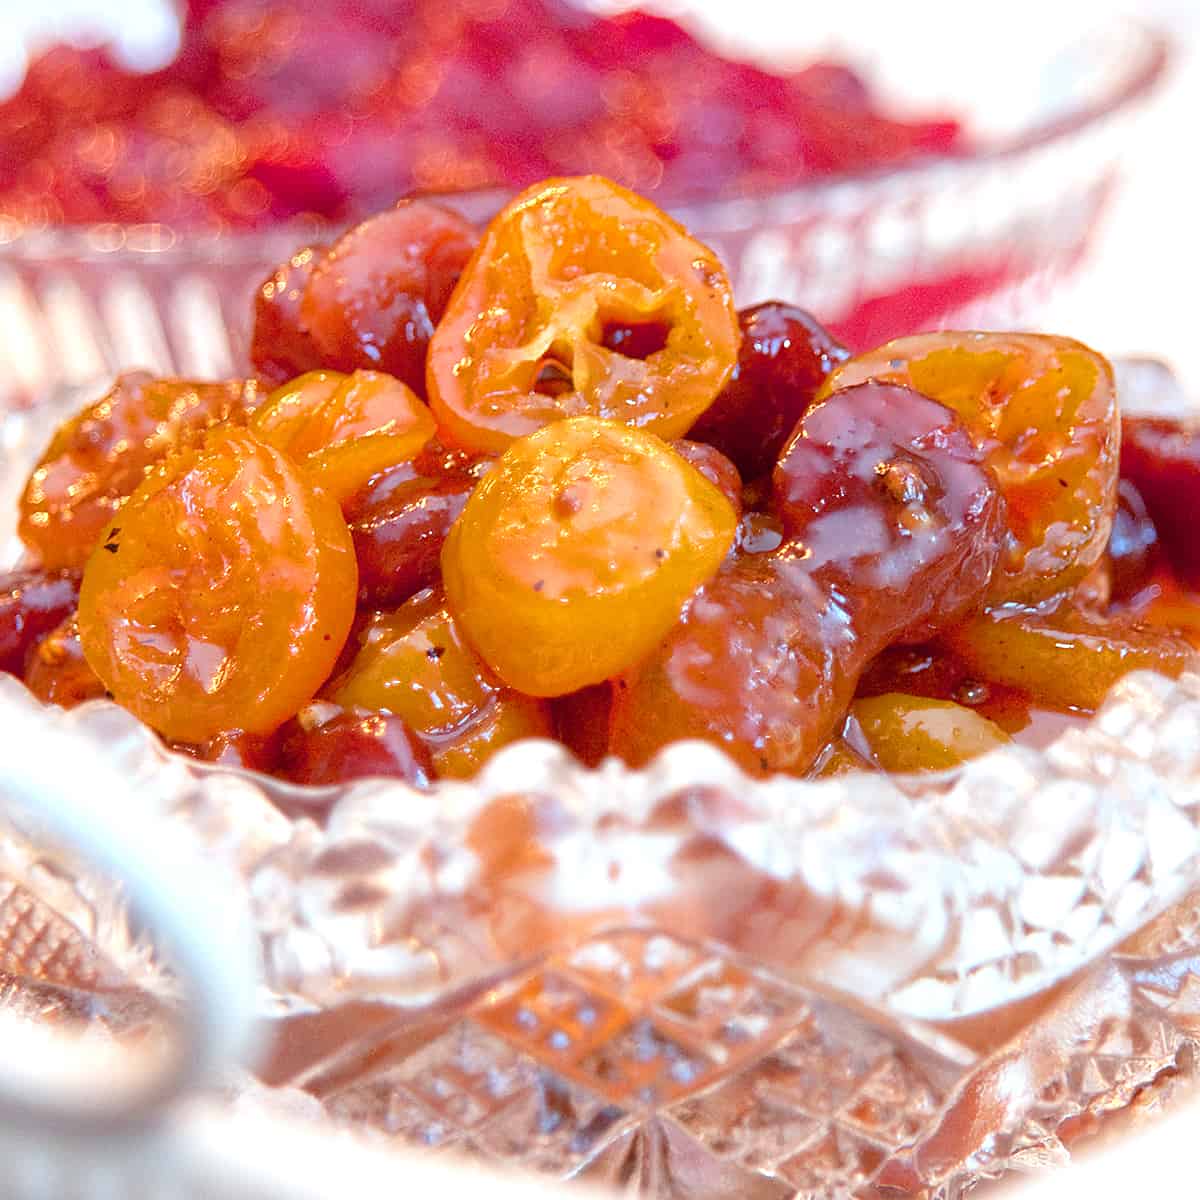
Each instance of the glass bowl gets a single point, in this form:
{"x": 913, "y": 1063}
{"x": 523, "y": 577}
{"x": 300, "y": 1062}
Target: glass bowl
{"x": 976, "y": 240}
{"x": 678, "y": 978}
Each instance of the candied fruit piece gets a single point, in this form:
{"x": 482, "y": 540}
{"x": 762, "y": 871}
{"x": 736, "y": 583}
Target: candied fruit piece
{"x": 888, "y": 495}
{"x": 763, "y": 663}
{"x": 1068, "y": 659}
{"x": 399, "y": 528}
{"x": 522, "y": 342}
{"x": 581, "y": 722}
{"x": 58, "y": 673}
{"x": 221, "y": 598}
{"x": 100, "y": 455}
{"x": 574, "y": 555}
{"x": 280, "y": 345}
{"x": 1044, "y": 410}
{"x": 784, "y": 358}
{"x": 1132, "y": 545}
{"x": 376, "y": 295}
{"x": 31, "y": 604}
{"x": 914, "y": 733}
{"x": 333, "y": 745}
{"x": 344, "y": 429}
{"x": 892, "y": 524}
{"x": 237, "y": 748}
{"x": 715, "y": 467}
{"x": 1161, "y": 458}
{"x": 415, "y": 663}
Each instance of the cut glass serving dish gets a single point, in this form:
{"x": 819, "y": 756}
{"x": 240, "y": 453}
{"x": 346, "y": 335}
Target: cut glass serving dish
{"x": 677, "y": 979}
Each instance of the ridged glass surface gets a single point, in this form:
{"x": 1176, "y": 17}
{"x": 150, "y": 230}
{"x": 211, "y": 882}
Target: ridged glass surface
{"x": 679, "y": 977}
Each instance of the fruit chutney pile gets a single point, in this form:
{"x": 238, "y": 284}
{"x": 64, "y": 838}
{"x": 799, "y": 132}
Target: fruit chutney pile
{"x": 545, "y": 480}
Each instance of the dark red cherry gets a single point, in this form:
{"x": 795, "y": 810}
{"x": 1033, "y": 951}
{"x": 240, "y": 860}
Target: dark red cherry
{"x": 890, "y": 499}
{"x": 346, "y": 744}
{"x": 32, "y": 603}
{"x": 1161, "y": 458}
{"x": 784, "y": 358}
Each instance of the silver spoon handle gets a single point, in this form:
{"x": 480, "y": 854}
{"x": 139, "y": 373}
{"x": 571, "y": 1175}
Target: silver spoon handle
{"x": 58, "y": 796}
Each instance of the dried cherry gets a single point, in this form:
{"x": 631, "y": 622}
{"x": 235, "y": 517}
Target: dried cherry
{"x": 280, "y": 345}
{"x": 376, "y": 295}
{"x": 1133, "y": 548}
{"x": 1161, "y": 458}
{"x": 785, "y": 356}
{"x": 332, "y": 745}
{"x": 399, "y": 535}
{"x": 715, "y": 467}
{"x": 58, "y": 673}
{"x": 889, "y": 496}
{"x": 32, "y": 603}
{"x": 1044, "y": 410}
{"x": 763, "y": 663}
{"x": 581, "y": 722}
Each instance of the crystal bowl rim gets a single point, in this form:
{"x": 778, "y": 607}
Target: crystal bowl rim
{"x": 153, "y": 242}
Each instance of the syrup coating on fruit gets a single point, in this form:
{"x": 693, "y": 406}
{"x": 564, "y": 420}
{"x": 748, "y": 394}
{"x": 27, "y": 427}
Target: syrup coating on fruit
{"x": 576, "y": 552}
{"x": 57, "y": 672}
{"x": 891, "y": 519}
{"x": 522, "y": 341}
{"x": 399, "y": 527}
{"x": 892, "y": 502}
{"x": 99, "y": 456}
{"x": 1068, "y": 659}
{"x": 914, "y": 733}
{"x": 763, "y": 664}
{"x": 280, "y": 345}
{"x": 319, "y": 585}
{"x": 1044, "y": 410}
{"x": 416, "y": 663}
{"x": 344, "y": 429}
{"x": 222, "y": 595}
{"x": 376, "y": 295}
{"x": 32, "y": 603}
{"x": 332, "y": 745}
{"x": 1161, "y": 458}
{"x": 785, "y": 357}
{"x": 715, "y": 467}
{"x": 1133, "y": 545}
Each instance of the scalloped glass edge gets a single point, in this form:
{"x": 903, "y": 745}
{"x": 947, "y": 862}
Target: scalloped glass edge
{"x": 937, "y": 897}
